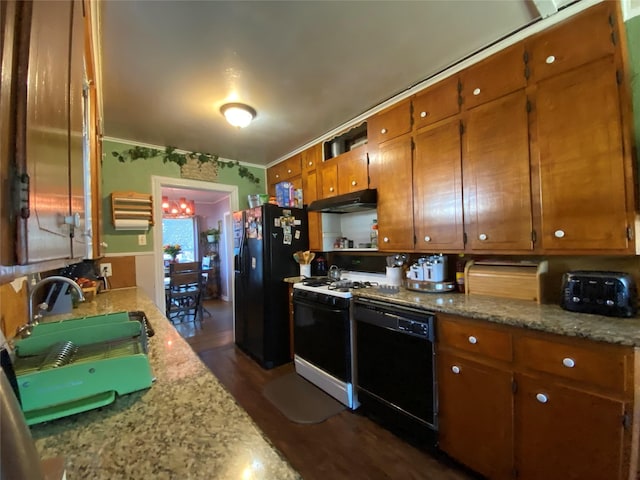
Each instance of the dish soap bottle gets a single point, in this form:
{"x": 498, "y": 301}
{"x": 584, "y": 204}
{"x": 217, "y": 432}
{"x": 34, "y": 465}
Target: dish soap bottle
{"x": 374, "y": 233}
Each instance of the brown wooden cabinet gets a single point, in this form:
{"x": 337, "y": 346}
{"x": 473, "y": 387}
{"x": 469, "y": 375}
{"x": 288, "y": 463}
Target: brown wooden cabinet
{"x": 477, "y": 432}
{"x": 515, "y": 403}
{"x": 310, "y": 193}
{"x": 581, "y": 39}
{"x": 395, "y": 195}
{"x": 329, "y": 178}
{"x": 353, "y": 173}
{"x": 437, "y": 102}
{"x": 390, "y": 123}
{"x": 437, "y": 188}
{"x": 573, "y": 402}
{"x": 497, "y": 185}
{"x": 494, "y": 77}
{"x": 585, "y": 180}
{"x": 475, "y": 385}
{"x": 288, "y": 170}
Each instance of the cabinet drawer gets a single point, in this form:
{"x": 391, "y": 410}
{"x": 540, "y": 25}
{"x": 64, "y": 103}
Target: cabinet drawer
{"x": 493, "y": 77}
{"x": 390, "y": 123}
{"x": 578, "y": 40}
{"x": 476, "y": 338}
{"x": 436, "y": 103}
{"x": 311, "y": 158}
{"x": 601, "y": 365}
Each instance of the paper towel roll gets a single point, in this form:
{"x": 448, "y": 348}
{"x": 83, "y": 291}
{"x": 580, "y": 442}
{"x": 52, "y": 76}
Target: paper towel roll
{"x": 131, "y": 224}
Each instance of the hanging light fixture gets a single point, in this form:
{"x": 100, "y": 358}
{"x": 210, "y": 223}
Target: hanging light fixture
{"x": 178, "y": 208}
{"x": 238, "y": 114}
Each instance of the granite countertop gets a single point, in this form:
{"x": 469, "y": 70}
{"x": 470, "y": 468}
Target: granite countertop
{"x": 519, "y": 313}
{"x": 185, "y": 426}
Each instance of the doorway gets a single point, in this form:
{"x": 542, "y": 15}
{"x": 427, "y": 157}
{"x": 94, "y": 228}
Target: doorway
{"x": 192, "y": 188}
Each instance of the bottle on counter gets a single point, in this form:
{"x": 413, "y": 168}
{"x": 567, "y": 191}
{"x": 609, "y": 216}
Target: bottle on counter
{"x": 460, "y": 264}
{"x": 374, "y": 233}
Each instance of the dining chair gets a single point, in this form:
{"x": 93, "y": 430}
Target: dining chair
{"x": 184, "y": 292}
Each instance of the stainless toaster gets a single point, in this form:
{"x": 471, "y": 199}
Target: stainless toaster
{"x": 600, "y": 292}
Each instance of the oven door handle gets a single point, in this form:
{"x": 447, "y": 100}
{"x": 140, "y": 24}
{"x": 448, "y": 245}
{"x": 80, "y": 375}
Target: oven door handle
{"x": 318, "y": 306}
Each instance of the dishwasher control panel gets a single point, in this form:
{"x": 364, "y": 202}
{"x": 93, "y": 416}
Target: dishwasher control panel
{"x": 411, "y": 326}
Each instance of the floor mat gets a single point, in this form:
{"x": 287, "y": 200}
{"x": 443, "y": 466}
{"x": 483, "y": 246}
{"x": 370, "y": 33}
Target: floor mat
{"x": 299, "y": 400}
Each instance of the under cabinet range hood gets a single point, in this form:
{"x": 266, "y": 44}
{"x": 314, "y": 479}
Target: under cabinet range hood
{"x": 347, "y": 203}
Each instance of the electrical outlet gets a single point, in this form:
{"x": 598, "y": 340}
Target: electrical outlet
{"x": 105, "y": 270}
{"x": 142, "y": 239}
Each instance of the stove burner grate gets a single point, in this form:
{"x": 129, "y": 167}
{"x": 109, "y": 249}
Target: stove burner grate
{"x": 316, "y": 281}
{"x": 346, "y": 285}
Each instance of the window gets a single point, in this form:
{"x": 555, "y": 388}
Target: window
{"x": 180, "y": 231}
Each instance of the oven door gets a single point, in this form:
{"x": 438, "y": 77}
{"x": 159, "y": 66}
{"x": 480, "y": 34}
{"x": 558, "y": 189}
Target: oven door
{"x": 322, "y": 336}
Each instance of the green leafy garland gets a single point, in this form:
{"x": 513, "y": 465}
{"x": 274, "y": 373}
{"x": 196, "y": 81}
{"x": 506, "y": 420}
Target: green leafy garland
{"x": 171, "y": 155}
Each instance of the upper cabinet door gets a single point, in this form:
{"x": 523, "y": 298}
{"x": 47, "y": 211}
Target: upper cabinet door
{"x": 494, "y": 77}
{"x": 311, "y": 158}
{"x": 585, "y": 37}
{"x": 395, "y": 197}
{"x": 329, "y": 178}
{"x": 352, "y": 170}
{"x": 436, "y": 103}
{"x": 390, "y": 123}
{"x": 437, "y": 188}
{"x": 46, "y": 149}
{"x": 497, "y": 190}
{"x": 580, "y": 160}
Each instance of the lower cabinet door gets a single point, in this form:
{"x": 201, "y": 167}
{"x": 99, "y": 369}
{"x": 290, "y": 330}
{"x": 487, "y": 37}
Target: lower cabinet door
{"x": 562, "y": 433}
{"x": 475, "y": 415}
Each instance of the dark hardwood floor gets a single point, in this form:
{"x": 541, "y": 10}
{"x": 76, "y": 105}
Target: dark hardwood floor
{"x": 347, "y": 445}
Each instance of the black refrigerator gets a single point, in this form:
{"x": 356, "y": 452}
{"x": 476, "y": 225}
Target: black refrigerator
{"x": 265, "y": 239}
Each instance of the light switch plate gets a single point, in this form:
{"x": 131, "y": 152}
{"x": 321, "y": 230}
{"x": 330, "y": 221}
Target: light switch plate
{"x": 142, "y": 239}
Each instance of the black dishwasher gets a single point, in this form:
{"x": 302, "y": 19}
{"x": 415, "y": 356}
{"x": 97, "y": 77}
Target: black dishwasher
{"x": 396, "y": 381}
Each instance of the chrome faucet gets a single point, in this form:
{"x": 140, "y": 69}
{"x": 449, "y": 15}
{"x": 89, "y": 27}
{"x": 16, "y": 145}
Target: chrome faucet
{"x": 32, "y": 321}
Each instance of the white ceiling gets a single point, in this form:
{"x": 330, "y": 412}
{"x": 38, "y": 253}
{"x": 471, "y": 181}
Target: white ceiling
{"x": 307, "y": 67}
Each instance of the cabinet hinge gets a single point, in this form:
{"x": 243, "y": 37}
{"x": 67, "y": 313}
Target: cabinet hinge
{"x": 514, "y": 386}
{"x": 459, "y": 92}
{"x": 21, "y": 195}
{"x": 611, "y": 21}
{"x": 514, "y": 472}
{"x": 525, "y": 57}
{"x": 619, "y": 77}
{"x": 411, "y": 114}
{"x": 528, "y": 106}
{"x": 415, "y": 239}
{"x": 626, "y": 421}
{"x": 461, "y": 128}
{"x": 464, "y": 238}
{"x": 534, "y": 237}
{"x": 614, "y": 39}
{"x": 527, "y": 73}
{"x": 629, "y": 232}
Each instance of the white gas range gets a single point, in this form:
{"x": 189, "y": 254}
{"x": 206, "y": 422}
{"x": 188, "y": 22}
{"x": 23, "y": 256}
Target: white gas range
{"x": 324, "y": 332}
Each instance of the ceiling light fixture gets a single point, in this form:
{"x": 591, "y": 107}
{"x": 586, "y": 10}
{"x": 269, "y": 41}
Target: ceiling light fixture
{"x": 238, "y": 114}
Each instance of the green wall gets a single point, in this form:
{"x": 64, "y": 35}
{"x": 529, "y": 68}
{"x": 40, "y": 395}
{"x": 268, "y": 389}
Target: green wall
{"x": 633, "y": 45}
{"x": 136, "y": 176}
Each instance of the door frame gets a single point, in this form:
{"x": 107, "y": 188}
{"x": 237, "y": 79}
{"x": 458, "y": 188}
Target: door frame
{"x": 158, "y": 183}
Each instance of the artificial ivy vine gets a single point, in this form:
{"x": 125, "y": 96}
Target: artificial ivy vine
{"x": 171, "y": 155}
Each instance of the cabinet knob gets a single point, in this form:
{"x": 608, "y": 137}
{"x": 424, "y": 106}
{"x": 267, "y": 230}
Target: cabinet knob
{"x": 277, "y": 175}
{"x": 542, "y": 398}
{"x": 482, "y": 236}
{"x": 383, "y": 131}
{"x": 310, "y": 163}
{"x": 476, "y": 91}
{"x": 423, "y": 114}
{"x": 568, "y": 362}
{"x": 353, "y": 183}
{"x": 559, "y": 233}
{"x": 385, "y": 239}
{"x": 473, "y": 340}
{"x": 427, "y": 238}
{"x": 455, "y": 369}
{"x": 331, "y": 189}
{"x": 289, "y": 170}
{"x": 550, "y": 59}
